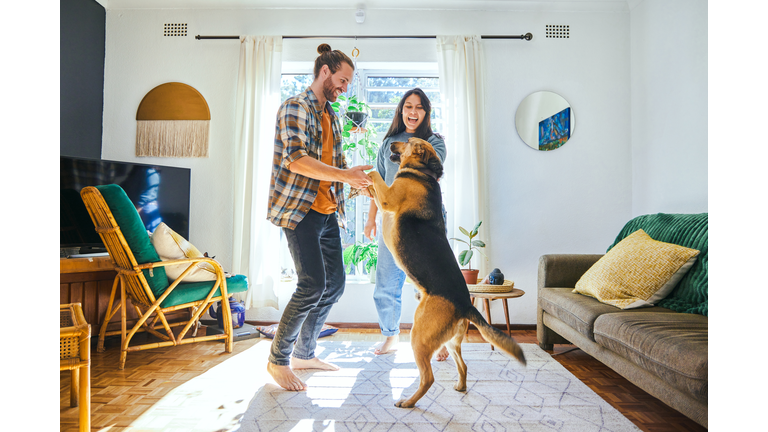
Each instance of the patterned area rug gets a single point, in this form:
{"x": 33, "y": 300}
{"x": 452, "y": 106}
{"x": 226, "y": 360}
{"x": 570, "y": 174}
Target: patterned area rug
{"x": 501, "y": 395}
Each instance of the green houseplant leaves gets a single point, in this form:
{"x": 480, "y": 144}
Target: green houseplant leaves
{"x": 357, "y": 253}
{"x": 465, "y": 256}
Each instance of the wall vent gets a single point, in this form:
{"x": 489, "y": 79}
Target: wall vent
{"x": 175, "y": 29}
{"x": 558, "y": 31}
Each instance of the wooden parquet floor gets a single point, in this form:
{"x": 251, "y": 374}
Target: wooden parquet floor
{"x": 197, "y": 387}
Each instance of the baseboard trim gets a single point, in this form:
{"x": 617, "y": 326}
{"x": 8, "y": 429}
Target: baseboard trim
{"x": 404, "y": 326}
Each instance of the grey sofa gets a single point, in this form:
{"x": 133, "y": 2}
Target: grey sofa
{"x": 662, "y": 350}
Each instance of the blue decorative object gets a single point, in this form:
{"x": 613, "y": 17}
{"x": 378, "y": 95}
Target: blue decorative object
{"x": 496, "y": 277}
{"x": 238, "y": 313}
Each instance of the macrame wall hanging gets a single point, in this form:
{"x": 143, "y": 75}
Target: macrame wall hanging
{"x": 173, "y": 120}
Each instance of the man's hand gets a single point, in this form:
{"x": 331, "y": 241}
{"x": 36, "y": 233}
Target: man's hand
{"x": 357, "y": 178}
{"x": 313, "y": 168}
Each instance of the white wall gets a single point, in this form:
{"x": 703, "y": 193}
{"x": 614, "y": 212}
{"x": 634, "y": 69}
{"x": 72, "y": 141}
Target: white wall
{"x": 669, "y": 106}
{"x": 574, "y": 199}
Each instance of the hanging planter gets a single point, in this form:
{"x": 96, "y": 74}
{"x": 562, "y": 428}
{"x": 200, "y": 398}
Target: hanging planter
{"x": 359, "y": 118}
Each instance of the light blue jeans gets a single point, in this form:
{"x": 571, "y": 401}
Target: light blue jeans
{"x": 389, "y": 286}
{"x": 389, "y": 289}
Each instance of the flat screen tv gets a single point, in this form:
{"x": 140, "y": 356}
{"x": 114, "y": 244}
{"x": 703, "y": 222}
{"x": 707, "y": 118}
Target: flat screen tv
{"x": 160, "y": 194}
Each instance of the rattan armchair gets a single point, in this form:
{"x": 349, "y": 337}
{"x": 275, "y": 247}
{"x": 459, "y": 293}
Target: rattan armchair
{"x": 141, "y": 278}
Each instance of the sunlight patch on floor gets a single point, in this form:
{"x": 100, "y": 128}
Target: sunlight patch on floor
{"x": 215, "y": 400}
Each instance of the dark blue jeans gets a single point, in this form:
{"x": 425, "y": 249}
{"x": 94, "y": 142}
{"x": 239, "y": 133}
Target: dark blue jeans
{"x": 315, "y": 246}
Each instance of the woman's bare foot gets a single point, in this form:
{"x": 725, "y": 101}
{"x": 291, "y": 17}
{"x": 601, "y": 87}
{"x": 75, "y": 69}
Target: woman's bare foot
{"x": 285, "y": 378}
{"x": 313, "y": 363}
{"x": 386, "y": 346}
{"x": 442, "y": 355}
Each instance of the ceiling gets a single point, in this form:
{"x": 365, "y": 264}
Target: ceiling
{"x": 352, "y": 4}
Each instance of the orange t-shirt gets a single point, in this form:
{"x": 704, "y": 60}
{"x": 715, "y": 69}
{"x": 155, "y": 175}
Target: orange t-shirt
{"x": 325, "y": 202}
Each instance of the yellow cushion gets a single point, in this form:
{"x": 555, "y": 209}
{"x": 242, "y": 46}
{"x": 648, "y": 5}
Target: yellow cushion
{"x": 639, "y": 271}
{"x": 170, "y": 246}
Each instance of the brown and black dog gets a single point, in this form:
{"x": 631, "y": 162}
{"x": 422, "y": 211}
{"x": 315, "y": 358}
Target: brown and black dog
{"x": 414, "y": 231}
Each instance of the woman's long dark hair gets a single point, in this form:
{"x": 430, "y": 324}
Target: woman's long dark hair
{"x": 424, "y": 130}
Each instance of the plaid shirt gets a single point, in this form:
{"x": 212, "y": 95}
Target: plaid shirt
{"x": 298, "y": 133}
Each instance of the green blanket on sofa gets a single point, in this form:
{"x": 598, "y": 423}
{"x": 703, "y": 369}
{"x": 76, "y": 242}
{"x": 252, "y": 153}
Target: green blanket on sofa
{"x": 689, "y": 230}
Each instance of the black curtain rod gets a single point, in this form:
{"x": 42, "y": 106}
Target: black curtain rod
{"x": 526, "y": 36}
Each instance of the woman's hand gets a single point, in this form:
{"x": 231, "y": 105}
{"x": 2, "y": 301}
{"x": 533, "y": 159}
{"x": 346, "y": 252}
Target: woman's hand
{"x": 370, "y": 227}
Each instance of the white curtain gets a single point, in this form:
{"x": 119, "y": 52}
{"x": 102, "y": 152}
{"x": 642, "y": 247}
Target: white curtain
{"x": 256, "y": 240}
{"x": 460, "y": 62}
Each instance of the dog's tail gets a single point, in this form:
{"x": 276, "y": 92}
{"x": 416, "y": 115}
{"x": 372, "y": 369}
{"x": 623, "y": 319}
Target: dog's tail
{"x": 496, "y": 337}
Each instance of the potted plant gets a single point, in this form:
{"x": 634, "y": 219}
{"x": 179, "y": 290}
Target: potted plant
{"x": 355, "y": 137}
{"x": 354, "y": 110}
{"x": 465, "y": 257}
{"x": 365, "y": 253}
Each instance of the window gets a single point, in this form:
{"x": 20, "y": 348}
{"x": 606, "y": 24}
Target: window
{"x": 382, "y": 91}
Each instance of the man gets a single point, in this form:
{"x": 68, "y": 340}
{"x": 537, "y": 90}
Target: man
{"x": 306, "y": 192}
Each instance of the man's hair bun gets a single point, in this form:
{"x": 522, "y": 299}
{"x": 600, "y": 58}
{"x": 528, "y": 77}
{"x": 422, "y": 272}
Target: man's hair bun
{"x": 332, "y": 58}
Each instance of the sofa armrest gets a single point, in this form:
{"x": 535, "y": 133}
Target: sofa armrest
{"x": 564, "y": 270}
{"x": 558, "y": 271}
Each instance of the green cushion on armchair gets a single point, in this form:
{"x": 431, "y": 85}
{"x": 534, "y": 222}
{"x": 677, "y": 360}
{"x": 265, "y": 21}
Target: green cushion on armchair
{"x": 127, "y": 217}
{"x": 689, "y": 230}
{"x": 193, "y": 291}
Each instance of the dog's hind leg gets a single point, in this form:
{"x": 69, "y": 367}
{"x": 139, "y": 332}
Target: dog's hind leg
{"x": 454, "y": 348}
{"x": 423, "y": 355}
{"x": 431, "y": 329}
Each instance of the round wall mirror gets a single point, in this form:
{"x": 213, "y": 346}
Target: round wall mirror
{"x": 544, "y": 120}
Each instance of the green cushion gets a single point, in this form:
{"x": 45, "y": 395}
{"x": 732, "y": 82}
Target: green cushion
{"x": 127, "y": 217}
{"x": 689, "y": 230}
{"x": 193, "y": 291}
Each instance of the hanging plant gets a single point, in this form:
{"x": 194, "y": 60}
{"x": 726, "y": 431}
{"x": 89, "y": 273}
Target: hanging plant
{"x": 355, "y": 137}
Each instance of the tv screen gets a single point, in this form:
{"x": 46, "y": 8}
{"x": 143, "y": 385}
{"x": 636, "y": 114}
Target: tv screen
{"x": 160, "y": 194}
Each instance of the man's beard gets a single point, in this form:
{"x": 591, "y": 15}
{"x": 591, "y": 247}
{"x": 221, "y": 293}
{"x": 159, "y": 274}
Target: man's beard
{"x": 329, "y": 90}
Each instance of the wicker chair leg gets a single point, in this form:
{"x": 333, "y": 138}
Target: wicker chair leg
{"x": 85, "y": 399}
{"x": 229, "y": 342}
{"x": 123, "y": 356}
{"x": 108, "y": 316}
{"x": 74, "y": 391}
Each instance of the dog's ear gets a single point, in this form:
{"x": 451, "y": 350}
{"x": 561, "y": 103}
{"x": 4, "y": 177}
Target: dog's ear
{"x": 435, "y": 165}
{"x": 418, "y": 150}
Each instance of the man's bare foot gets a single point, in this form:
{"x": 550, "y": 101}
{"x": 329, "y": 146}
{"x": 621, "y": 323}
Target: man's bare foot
{"x": 442, "y": 355}
{"x": 313, "y": 363}
{"x": 386, "y": 346}
{"x": 285, "y": 378}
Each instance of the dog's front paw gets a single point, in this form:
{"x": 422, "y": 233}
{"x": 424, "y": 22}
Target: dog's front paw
{"x": 374, "y": 175}
{"x": 459, "y": 387}
{"x": 403, "y": 403}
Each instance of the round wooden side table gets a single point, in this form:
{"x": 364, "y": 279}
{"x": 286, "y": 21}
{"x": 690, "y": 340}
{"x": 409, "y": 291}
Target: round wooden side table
{"x": 487, "y": 298}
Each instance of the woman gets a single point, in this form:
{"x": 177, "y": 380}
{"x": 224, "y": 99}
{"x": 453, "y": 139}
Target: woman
{"x": 412, "y": 119}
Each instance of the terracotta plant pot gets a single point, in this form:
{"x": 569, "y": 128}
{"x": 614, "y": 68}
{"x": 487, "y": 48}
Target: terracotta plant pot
{"x": 470, "y": 276}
